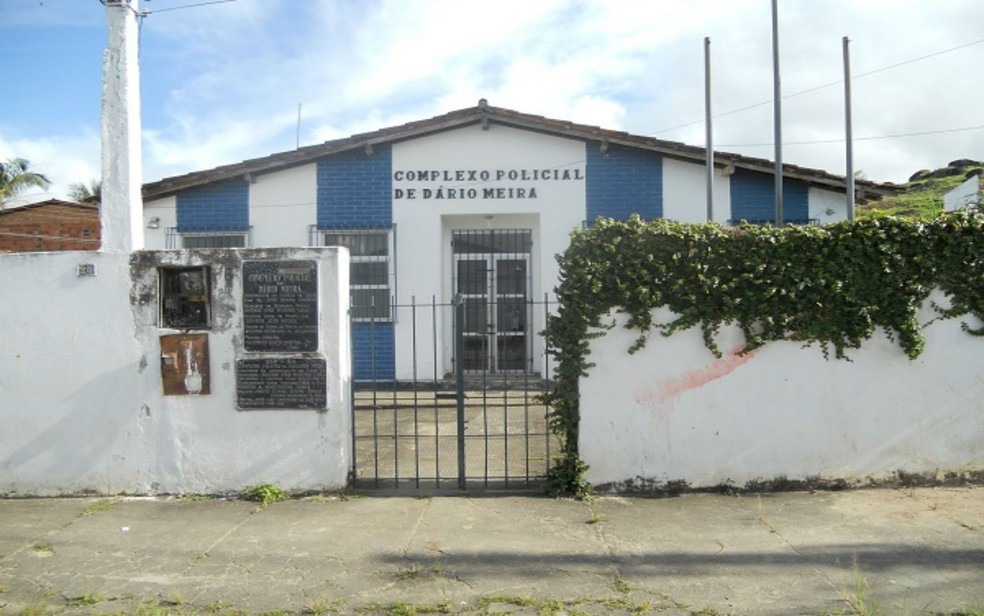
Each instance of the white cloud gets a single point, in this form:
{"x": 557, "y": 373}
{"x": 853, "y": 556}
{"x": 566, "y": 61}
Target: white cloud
{"x": 222, "y": 82}
{"x": 64, "y": 160}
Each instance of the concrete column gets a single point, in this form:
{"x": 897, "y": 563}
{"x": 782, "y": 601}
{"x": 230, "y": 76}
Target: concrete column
{"x": 121, "y": 211}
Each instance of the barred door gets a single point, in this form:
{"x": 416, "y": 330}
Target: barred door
{"x": 494, "y": 291}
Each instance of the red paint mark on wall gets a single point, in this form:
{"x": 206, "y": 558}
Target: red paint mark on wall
{"x": 662, "y": 402}
{"x": 696, "y": 379}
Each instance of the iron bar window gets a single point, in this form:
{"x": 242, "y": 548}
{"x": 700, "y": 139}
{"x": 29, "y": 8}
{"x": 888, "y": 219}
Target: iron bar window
{"x": 204, "y": 238}
{"x": 370, "y": 270}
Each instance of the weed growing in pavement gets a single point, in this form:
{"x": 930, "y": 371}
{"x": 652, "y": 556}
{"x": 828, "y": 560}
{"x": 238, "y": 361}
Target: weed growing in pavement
{"x": 859, "y": 602}
{"x": 621, "y": 585}
{"x": 35, "y": 609}
{"x": 264, "y": 493}
{"x": 485, "y": 602}
{"x": 572, "y": 607}
{"x": 85, "y": 599}
{"x": 215, "y": 607}
{"x": 322, "y": 606}
{"x": 43, "y": 548}
{"x": 404, "y": 609}
{"x": 101, "y": 505}
{"x": 151, "y": 608}
{"x": 174, "y": 600}
{"x": 196, "y": 496}
{"x": 416, "y": 572}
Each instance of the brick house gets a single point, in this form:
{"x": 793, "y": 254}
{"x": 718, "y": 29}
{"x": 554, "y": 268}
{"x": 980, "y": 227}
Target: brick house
{"x": 49, "y": 226}
{"x": 472, "y": 204}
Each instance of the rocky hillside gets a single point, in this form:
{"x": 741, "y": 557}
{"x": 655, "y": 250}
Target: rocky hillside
{"x": 923, "y": 197}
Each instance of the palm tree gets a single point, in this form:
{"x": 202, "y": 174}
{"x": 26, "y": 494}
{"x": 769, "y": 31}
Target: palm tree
{"x": 86, "y": 193}
{"x": 15, "y": 179}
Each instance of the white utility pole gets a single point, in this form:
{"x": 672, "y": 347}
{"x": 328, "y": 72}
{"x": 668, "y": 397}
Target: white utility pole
{"x": 121, "y": 209}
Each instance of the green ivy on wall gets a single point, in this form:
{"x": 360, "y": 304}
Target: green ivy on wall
{"x": 832, "y": 286}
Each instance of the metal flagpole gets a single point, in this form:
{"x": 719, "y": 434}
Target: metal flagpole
{"x": 709, "y": 129}
{"x": 848, "y": 130}
{"x": 777, "y": 107}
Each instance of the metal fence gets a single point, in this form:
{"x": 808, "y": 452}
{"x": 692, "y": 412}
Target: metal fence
{"x": 426, "y": 421}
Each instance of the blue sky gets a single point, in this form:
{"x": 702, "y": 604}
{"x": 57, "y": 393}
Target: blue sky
{"x": 222, "y": 82}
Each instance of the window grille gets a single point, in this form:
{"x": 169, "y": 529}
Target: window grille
{"x": 371, "y": 270}
{"x": 205, "y": 239}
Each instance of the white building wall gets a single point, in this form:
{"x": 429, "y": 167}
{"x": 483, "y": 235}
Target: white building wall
{"x": 685, "y": 192}
{"x": 164, "y": 214}
{"x": 826, "y": 206}
{"x": 424, "y": 225}
{"x": 674, "y": 412}
{"x": 80, "y": 383}
{"x": 282, "y": 206}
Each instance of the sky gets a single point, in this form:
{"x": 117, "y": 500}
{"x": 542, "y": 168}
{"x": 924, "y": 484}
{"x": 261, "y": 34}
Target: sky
{"x": 225, "y": 81}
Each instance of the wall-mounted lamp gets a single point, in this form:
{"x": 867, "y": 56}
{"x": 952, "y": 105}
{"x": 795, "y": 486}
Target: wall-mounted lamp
{"x": 370, "y": 152}
{"x": 728, "y": 170}
{"x": 604, "y": 147}
{"x": 154, "y": 223}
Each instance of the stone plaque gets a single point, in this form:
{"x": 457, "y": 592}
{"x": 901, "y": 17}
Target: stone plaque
{"x": 280, "y": 306}
{"x": 282, "y": 383}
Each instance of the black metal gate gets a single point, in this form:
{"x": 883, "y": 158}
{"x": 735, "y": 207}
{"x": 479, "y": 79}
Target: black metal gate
{"x": 425, "y": 421}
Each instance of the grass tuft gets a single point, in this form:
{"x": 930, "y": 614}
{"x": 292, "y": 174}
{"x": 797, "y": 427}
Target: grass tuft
{"x": 264, "y": 493}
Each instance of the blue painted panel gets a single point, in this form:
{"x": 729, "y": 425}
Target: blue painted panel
{"x": 753, "y": 198}
{"x": 373, "y": 352}
{"x": 623, "y": 181}
{"x": 356, "y": 191}
{"x": 220, "y": 206}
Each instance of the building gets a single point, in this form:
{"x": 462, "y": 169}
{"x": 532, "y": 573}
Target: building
{"x": 48, "y": 226}
{"x": 475, "y": 203}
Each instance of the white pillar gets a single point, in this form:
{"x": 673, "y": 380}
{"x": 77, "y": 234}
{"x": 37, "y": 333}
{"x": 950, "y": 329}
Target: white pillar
{"x": 121, "y": 210}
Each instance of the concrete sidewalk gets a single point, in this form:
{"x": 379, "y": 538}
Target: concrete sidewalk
{"x": 917, "y": 551}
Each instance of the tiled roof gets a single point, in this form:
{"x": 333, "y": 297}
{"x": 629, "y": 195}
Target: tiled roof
{"x": 486, "y": 114}
{"x": 48, "y": 203}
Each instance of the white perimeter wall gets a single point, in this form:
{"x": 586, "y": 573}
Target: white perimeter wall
{"x": 674, "y": 412}
{"x": 81, "y": 404}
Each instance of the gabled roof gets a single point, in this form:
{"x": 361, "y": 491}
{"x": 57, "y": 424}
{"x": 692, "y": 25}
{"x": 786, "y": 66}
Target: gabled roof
{"x": 485, "y": 115}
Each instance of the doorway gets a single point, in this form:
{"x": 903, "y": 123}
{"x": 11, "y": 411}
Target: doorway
{"x": 492, "y": 278}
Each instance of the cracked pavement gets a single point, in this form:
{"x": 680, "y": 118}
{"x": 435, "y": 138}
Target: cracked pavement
{"x": 915, "y": 551}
